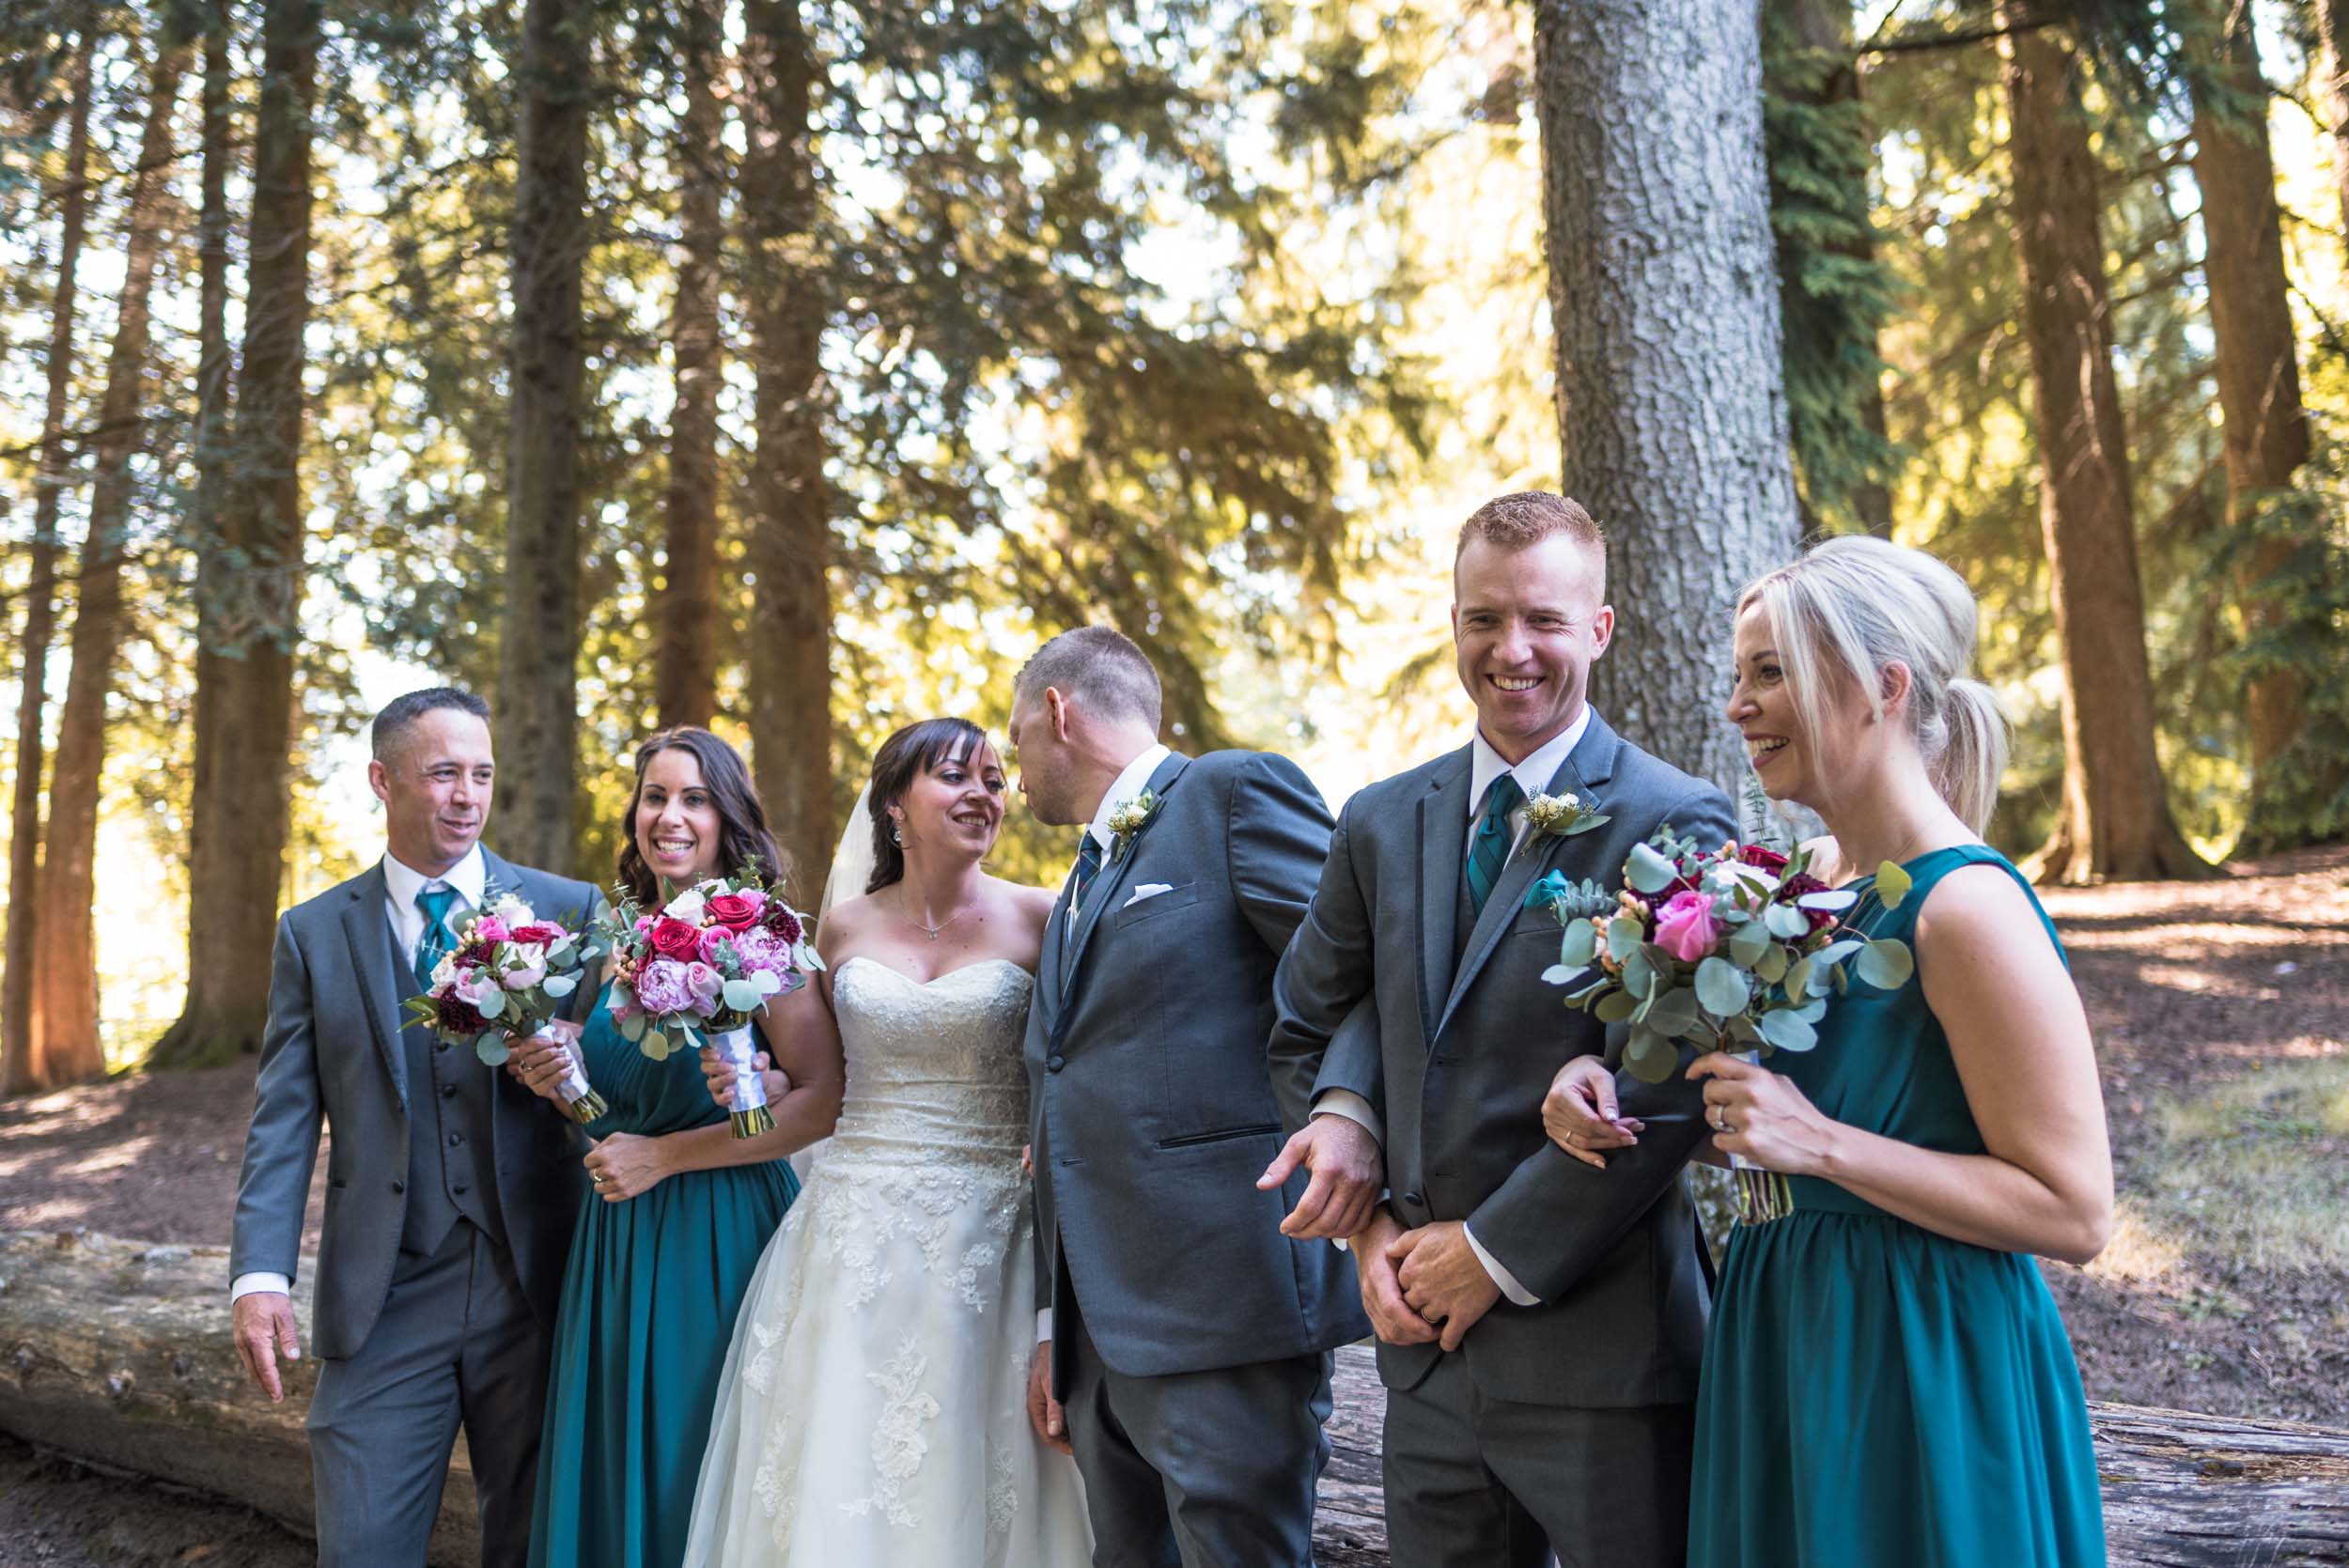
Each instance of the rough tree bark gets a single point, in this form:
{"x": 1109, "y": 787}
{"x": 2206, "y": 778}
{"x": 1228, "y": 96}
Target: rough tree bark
{"x": 537, "y": 697}
{"x": 685, "y": 659}
{"x": 21, "y": 1065}
{"x": 1663, "y": 295}
{"x": 2115, "y": 819}
{"x": 791, "y": 533}
{"x": 67, "y": 961}
{"x": 2332, "y": 25}
{"x": 247, "y": 613}
{"x": 2266, "y": 429}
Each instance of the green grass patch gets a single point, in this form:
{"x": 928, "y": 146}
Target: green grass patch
{"x": 2256, "y": 1169}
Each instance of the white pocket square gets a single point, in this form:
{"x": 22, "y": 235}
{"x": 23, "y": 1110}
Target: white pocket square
{"x": 1147, "y": 890}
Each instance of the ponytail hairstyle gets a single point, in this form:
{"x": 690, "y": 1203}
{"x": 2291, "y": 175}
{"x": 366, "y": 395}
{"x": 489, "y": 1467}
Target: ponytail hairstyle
{"x": 1854, "y": 606}
{"x": 904, "y": 757}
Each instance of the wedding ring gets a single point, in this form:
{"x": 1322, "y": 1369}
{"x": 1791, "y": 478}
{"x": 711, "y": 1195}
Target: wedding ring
{"x": 1715, "y": 1117}
{"x": 1574, "y": 1136}
{"x": 595, "y": 1176}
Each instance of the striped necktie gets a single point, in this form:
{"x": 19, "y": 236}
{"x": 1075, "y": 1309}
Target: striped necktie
{"x": 1088, "y": 863}
{"x": 1489, "y": 851}
{"x": 437, "y": 940}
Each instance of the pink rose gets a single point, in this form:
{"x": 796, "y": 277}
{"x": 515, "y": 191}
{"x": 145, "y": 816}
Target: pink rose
{"x": 1684, "y": 927}
{"x": 703, "y": 984}
{"x": 734, "y": 910}
{"x": 489, "y": 928}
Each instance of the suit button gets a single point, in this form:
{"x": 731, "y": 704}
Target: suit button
{"x": 454, "y": 1139}
{"x": 448, "y": 1091}
{"x": 400, "y": 1186}
{"x": 442, "y": 1045}
{"x": 1054, "y": 1062}
{"x": 1415, "y": 1200}
{"x": 458, "y": 1189}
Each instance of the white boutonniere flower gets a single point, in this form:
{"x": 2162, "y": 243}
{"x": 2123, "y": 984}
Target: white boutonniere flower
{"x": 1562, "y": 815}
{"x": 1126, "y": 822}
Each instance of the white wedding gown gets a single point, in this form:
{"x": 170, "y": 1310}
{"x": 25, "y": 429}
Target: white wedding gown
{"x": 874, "y": 1406}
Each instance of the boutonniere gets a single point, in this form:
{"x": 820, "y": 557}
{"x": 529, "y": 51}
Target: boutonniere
{"x": 1126, "y": 822}
{"x": 1564, "y": 815}
{"x": 1569, "y": 901}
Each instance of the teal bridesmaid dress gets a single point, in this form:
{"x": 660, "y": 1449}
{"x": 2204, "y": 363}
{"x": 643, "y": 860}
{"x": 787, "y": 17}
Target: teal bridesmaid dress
{"x": 1876, "y": 1395}
{"x": 650, "y": 1299}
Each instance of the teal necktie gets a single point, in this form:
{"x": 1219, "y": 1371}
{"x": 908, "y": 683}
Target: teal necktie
{"x": 1489, "y": 851}
{"x": 1088, "y": 863}
{"x": 437, "y": 940}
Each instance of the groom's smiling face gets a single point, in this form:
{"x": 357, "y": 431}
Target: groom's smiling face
{"x": 1527, "y": 624}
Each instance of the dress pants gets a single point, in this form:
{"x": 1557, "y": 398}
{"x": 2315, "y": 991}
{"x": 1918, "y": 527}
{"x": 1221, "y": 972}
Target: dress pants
{"x": 457, "y": 1343}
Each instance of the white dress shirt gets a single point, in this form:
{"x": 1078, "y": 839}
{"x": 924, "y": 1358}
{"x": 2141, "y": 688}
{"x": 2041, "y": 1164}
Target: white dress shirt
{"x": 1124, "y": 791}
{"x": 1485, "y": 767}
{"x": 401, "y": 884}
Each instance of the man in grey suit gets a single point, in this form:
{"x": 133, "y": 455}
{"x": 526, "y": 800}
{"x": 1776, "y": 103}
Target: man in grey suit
{"x": 1185, "y": 1337}
{"x": 1539, "y": 1321}
{"x": 451, "y": 1191}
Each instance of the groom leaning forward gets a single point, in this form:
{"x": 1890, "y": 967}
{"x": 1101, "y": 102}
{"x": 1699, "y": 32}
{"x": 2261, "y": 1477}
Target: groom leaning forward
{"x": 1186, "y": 1337}
{"x": 450, "y": 1189}
{"x": 1539, "y": 1321}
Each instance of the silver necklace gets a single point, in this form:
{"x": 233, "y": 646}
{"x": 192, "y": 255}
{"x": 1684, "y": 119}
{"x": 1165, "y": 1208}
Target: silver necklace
{"x": 930, "y": 931}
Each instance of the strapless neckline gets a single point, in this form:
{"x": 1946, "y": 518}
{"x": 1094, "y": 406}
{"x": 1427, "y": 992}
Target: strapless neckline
{"x": 936, "y": 979}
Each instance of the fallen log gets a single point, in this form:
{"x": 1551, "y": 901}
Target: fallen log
{"x": 118, "y": 1353}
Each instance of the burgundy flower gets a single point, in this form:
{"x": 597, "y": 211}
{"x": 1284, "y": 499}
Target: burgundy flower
{"x": 539, "y": 931}
{"x": 459, "y": 1017}
{"x": 1799, "y": 884}
{"x": 1762, "y": 855}
{"x": 674, "y": 939}
{"x": 782, "y": 922}
{"x": 732, "y": 910}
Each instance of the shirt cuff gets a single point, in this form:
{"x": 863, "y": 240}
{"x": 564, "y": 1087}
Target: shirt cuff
{"x": 1346, "y": 1103}
{"x": 1043, "y": 1323}
{"x": 258, "y": 1282}
{"x": 1519, "y": 1295}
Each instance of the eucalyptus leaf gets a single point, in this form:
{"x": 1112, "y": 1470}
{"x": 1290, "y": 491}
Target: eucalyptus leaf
{"x": 1623, "y": 937}
{"x": 1721, "y": 987}
{"x": 1672, "y": 1011}
{"x": 1615, "y": 1006}
{"x": 1785, "y": 1031}
{"x": 655, "y": 1044}
{"x": 1787, "y": 920}
{"x": 1813, "y": 1011}
{"x": 741, "y": 995}
{"x": 1843, "y": 980}
{"x": 1580, "y": 946}
{"x": 559, "y": 956}
{"x": 1893, "y": 885}
{"x": 1833, "y": 899}
{"x": 1887, "y": 965}
{"x": 494, "y": 1007}
{"x": 1772, "y": 969}
{"x": 1748, "y": 942}
{"x": 1799, "y": 980}
{"x": 1836, "y": 952}
{"x": 1590, "y": 822}
{"x": 1639, "y": 975}
{"x": 1650, "y": 1057}
{"x": 1560, "y": 974}
{"x": 492, "y": 1048}
{"x": 560, "y": 985}
{"x": 1743, "y": 1028}
{"x": 1649, "y": 872}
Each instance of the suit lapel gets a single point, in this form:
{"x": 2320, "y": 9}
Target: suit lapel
{"x": 369, "y": 930}
{"x": 1591, "y": 764}
{"x": 1115, "y": 874}
{"x": 1443, "y": 828}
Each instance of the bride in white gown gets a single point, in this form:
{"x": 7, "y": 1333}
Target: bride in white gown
{"x": 873, "y": 1408}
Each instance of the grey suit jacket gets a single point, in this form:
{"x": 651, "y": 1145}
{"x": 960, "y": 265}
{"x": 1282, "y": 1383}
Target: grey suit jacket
{"x": 1151, "y": 1109}
{"x": 333, "y": 1051}
{"x": 1458, "y": 1061}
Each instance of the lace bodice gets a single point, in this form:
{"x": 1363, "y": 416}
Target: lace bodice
{"x": 935, "y": 1067}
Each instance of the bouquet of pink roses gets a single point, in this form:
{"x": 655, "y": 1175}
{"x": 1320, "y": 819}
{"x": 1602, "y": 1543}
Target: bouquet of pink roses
{"x": 1734, "y": 949}
{"x": 505, "y": 979}
{"x": 702, "y": 964}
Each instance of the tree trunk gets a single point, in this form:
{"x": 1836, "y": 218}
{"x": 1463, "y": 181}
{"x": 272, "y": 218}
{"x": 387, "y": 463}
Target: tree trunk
{"x": 791, "y": 533}
{"x": 685, "y": 659}
{"x": 2115, "y": 820}
{"x": 1827, "y": 82}
{"x": 20, "y": 1022}
{"x": 1664, "y": 300}
{"x": 67, "y": 965}
{"x": 2266, "y": 431}
{"x": 247, "y": 615}
{"x": 537, "y": 698}
{"x": 2332, "y": 25}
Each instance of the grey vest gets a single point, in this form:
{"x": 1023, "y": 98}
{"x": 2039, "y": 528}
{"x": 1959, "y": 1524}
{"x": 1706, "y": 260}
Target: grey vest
{"x": 450, "y": 1159}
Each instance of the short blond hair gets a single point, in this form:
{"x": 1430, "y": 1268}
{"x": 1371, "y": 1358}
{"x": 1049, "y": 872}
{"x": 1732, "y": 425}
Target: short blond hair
{"x": 1525, "y": 517}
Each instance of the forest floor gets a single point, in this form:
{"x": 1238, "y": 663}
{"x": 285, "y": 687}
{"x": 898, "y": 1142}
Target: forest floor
{"x": 2221, "y": 1013}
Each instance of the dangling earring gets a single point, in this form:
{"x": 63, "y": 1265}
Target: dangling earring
{"x": 896, "y": 833}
